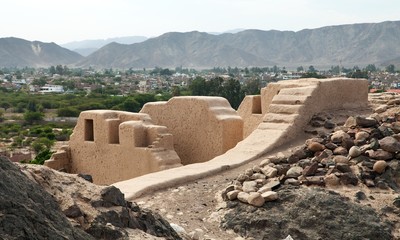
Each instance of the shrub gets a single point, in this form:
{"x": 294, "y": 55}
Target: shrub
{"x": 42, "y": 156}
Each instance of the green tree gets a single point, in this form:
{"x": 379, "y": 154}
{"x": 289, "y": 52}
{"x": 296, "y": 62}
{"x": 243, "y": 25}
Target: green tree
{"x": 252, "y": 87}
{"x": 390, "y": 68}
{"x": 198, "y": 87}
{"x": 233, "y": 93}
{"x": 32, "y": 117}
{"x": 370, "y": 68}
{"x": 311, "y": 69}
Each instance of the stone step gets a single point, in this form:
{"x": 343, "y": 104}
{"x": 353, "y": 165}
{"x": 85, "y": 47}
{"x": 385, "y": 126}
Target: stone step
{"x": 289, "y": 99}
{"x": 307, "y": 91}
{"x": 285, "y": 108}
{"x": 280, "y": 118}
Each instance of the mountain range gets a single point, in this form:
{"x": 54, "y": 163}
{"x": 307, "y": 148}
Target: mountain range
{"x": 345, "y": 45}
{"x": 16, "y": 52}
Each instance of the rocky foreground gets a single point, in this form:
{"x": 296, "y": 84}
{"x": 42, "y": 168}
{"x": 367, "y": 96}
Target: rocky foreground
{"x": 39, "y": 203}
{"x": 302, "y": 195}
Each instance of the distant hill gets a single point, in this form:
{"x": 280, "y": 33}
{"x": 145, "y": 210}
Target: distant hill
{"x": 86, "y": 47}
{"x": 346, "y": 45}
{"x": 15, "y": 52}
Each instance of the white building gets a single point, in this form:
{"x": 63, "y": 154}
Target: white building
{"x": 51, "y": 89}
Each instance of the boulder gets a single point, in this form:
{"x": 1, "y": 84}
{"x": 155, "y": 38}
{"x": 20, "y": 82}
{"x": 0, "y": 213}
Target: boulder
{"x": 316, "y": 147}
{"x": 255, "y": 199}
{"x": 366, "y": 122}
{"x": 270, "y": 196}
{"x": 339, "y": 136}
{"x": 390, "y": 144}
{"x": 380, "y": 166}
{"x": 250, "y": 186}
{"x": 354, "y": 152}
{"x": 379, "y": 154}
{"x": 294, "y": 172}
{"x": 269, "y": 172}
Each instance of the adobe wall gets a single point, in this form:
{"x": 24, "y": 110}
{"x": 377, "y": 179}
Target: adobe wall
{"x": 114, "y": 146}
{"x": 203, "y": 127}
{"x": 286, "y": 106}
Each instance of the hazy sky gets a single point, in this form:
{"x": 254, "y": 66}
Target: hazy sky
{"x": 63, "y": 21}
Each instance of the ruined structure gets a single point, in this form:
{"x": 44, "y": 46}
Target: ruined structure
{"x": 205, "y": 132}
{"x": 106, "y": 142}
{"x": 203, "y": 127}
{"x": 114, "y": 146}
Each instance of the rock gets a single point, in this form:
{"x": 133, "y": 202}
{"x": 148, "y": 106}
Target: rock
{"x": 381, "y": 109}
{"x": 248, "y": 172}
{"x": 339, "y": 136}
{"x": 386, "y": 131}
{"x": 340, "y": 159}
{"x": 347, "y": 143}
{"x": 232, "y": 195}
{"x": 360, "y": 195}
{"x": 366, "y": 122}
{"x": 293, "y": 159}
{"x": 274, "y": 184}
{"x": 294, "y": 172}
{"x": 328, "y": 124}
{"x": 379, "y": 154}
{"x": 73, "y": 211}
{"x": 310, "y": 170}
{"x": 256, "y": 169}
{"x": 390, "y": 144}
{"x": 264, "y": 189}
{"x": 348, "y": 179}
{"x": 340, "y": 151}
{"x": 270, "y": 196}
{"x": 269, "y": 172}
{"x": 255, "y": 199}
{"x": 178, "y": 228}
{"x": 197, "y": 234}
{"x": 331, "y": 146}
{"x": 362, "y": 135}
{"x": 87, "y": 177}
{"x": 243, "y": 197}
{"x": 257, "y": 176}
{"x": 331, "y": 180}
{"x": 300, "y": 153}
{"x": 354, "y": 152}
{"x": 242, "y": 178}
{"x": 396, "y": 202}
{"x": 380, "y": 166}
{"x": 374, "y": 144}
{"x": 292, "y": 181}
{"x": 350, "y": 122}
{"x": 343, "y": 167}
{"x": 28, "y": 211}
{"x": 315, "y": 147}
{"x": 250, "y": 186}
{"x": 105, "y": 213}
{"x": 265, "y": 162}
{"x": 308, "y": 213}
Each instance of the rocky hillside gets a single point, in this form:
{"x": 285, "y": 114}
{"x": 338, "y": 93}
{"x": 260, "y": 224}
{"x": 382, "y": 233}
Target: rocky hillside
{"x": 39, "y": 203}
{"x": 15, "y": 52}
{"x": 347, "y": 45}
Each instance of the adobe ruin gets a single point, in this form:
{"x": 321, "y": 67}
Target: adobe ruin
{"x": 204, "y": 134}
